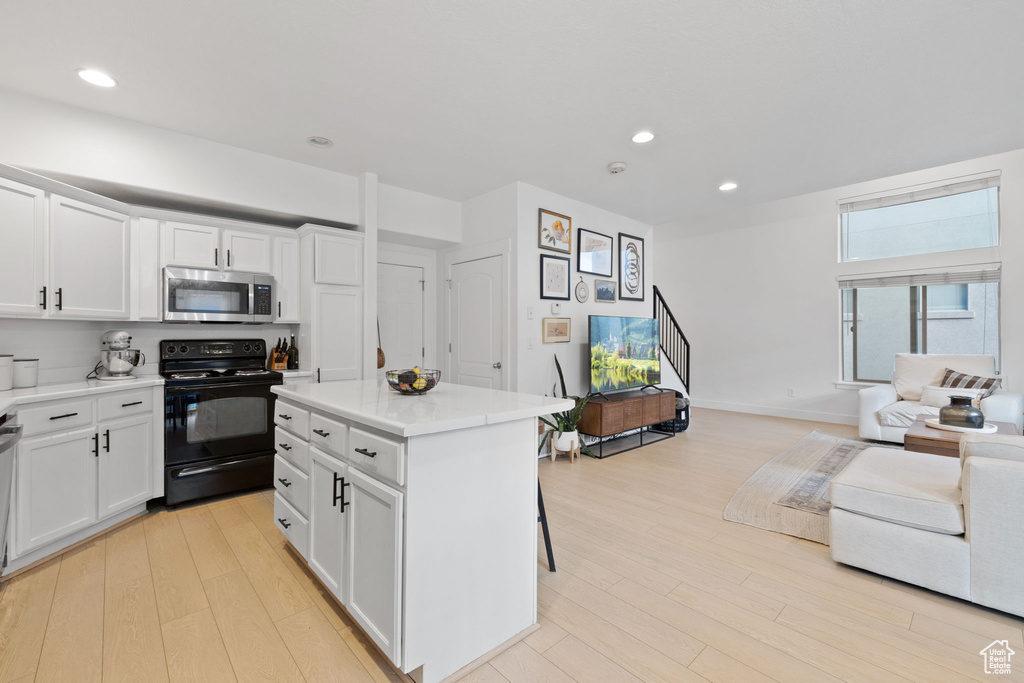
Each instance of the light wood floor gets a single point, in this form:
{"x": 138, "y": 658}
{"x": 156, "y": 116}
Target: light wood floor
{"x": 651, "y": 585}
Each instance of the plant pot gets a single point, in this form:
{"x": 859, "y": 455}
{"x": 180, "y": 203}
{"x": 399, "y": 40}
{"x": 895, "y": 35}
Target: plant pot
{"x": 566, "y": 441}
{"x": 960, "y": 413}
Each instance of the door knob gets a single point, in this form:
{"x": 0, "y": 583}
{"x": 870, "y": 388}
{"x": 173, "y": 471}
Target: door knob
{"x": 497, "y": 366}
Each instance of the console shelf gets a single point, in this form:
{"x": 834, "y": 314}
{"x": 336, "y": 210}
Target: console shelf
{"x": 615, "y": 414}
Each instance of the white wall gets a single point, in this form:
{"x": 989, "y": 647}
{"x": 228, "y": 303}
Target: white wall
{"x": 755, "y": 291}
{"x": 417, "y": 219}
{"x": 69, "y": 349}
{"x": 46, "y": 136}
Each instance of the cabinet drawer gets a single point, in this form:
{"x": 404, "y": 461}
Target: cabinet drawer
{"x": 292, "y": 448}
{"x": 292, "y": 484}
{"x": 56, "y": 416}
{"x": 328, "y": 435}
{"x": 128, "y": 403}
{"x": 377, "y": 455}
{"x": 294, "y": 526}
{"x": 292, "y": 418}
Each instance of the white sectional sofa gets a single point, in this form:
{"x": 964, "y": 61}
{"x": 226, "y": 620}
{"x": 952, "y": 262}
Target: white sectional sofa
{"x": 888, "y": 410}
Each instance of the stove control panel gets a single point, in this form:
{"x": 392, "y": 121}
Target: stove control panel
{"x": 201, "y": 348}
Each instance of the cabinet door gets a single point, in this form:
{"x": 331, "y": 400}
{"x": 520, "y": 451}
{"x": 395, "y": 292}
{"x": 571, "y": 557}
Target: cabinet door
{"x": 90, "y": 256}
{"x": 327, "y": 529}
{"x": 337, "y": 260}
{"x": 248, "y": 252}
{"x": 125, "y": 463}
{"x": 286, "y": 278}
{"x": 374, "y": 564}
{"x": 338, "y": 336}
{"x": 190, "y": 245}
{"x": 147, "y": 280}
{"x": 56, "y": 488}
{"x": 23, "y": 256}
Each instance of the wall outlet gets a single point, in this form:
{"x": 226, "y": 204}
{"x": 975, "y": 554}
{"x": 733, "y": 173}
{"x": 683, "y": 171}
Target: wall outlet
{"x": 529, "y": 342}
{"x": 791, "y": 392}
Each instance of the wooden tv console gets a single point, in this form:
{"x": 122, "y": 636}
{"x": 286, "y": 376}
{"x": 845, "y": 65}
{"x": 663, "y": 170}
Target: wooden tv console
{"x": 613, "y": 414}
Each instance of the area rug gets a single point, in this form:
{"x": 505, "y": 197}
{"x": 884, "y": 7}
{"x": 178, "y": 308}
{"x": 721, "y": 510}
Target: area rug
{"x": 789, "y": 493}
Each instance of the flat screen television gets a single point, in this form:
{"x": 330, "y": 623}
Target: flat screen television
{"x": 625, "y": 353}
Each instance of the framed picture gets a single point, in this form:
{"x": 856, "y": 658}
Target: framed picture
{"x": 556, "y": 330}
{"x": 554, "y": 277}
{"x": 604, "y": 291}
{"x": 631, "y": 268}
{"x": 594, "y": 253}
{"x": 554, "y": 232}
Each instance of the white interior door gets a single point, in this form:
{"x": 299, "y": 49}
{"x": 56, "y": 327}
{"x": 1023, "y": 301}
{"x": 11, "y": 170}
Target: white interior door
{"x": 400, "y": 314}
{"x": 477, "y": 323}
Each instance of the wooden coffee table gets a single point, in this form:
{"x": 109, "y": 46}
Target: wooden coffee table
{"x": 921, "y": 438}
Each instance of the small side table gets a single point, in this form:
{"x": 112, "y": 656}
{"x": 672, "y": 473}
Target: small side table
{"x": 921, "y": 438}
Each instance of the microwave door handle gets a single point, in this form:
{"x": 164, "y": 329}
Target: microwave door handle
{"x": 252, "y": 298}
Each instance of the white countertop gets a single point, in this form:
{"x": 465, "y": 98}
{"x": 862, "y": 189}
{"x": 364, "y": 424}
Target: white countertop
{"x": 444, "y": 408}
{"x": 48, "y": 392}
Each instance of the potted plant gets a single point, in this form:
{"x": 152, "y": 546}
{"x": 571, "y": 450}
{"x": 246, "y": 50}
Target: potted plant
{"x": 564, "y": 424}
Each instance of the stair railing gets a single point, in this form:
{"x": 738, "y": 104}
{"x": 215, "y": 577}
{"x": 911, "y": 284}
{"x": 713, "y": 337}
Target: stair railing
{"x": 674, "y": 344}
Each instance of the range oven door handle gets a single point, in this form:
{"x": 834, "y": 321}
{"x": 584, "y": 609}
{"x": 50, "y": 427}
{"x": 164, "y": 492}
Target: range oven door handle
{"x": 203, "y": 469}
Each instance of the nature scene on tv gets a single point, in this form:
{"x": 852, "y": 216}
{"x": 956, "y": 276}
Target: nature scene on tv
{"x": 624, "y": 353}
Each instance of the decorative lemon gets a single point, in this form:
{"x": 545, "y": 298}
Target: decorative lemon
{"x": 419, "y": 384}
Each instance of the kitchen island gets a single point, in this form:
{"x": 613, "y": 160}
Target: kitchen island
{"x": 418, "y": 513}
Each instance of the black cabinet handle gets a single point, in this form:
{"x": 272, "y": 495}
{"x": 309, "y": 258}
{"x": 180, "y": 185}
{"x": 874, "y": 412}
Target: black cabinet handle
{"x": 61, "y": 417}
{"x": 96, "y": 444}
{"x": 60, "y": 298}
{"x": 334, "y": 492}
{"x": 344, "y": 504}
{"x": 321, "y": 433}
{"x": 284, "y": 522}
{"x": 278, "y": 309}
{"x": 285, "y": 482}
{"x": 215, "y": 256}
{"x": 285, "y": 417}
{"x": 43, "y": 290}
{"x": 366, "y": 452}
{"x": 284, "y": 446}
{"x": 229, "y": 258}
{"x": 318, "y": 375}
{"x": 106, "y": 436}
{"x": 133, "y": 403}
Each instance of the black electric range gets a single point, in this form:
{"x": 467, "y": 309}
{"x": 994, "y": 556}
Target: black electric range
{"x": 218, "y": 417}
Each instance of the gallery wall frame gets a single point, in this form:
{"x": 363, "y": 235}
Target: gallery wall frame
{"x": 631, "y": 268}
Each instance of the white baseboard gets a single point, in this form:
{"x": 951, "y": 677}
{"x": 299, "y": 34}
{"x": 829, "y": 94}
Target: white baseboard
{"x": 814, "y": 416}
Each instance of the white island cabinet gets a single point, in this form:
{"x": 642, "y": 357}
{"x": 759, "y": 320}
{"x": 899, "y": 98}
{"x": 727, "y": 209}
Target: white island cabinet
{"x": 418, "y": 513}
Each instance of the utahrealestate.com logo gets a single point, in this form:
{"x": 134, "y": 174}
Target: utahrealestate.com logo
{"x": 997, "y": 657}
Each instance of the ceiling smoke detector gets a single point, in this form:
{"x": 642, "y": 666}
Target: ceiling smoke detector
{"x": 318, "y": 141}
{"x": 617, "y": 167}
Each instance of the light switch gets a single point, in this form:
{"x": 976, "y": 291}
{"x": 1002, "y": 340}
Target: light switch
{"x": 529, "y": 312}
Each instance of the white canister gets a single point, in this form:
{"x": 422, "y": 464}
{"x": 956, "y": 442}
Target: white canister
{"x": 6, "y": 371}
{"x": 26, "y": 372}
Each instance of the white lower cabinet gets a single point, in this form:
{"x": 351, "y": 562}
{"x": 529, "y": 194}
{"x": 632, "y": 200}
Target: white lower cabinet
{"x": 327, "y": 528}
{"x": 373, "y": 567}
{"x": 125, "y": 463}
{"x": 56, "y": 487}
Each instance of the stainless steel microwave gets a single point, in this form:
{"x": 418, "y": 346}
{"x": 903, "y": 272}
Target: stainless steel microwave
{"x": 212, "y": 296}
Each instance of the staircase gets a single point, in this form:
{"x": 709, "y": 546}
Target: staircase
{"x": 675, "y": 347}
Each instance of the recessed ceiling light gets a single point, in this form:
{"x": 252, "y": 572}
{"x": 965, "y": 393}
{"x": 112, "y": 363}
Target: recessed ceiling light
{"x": 318, "y": 141}
{"x": 643, "y": 136}
{"x": 725, "y": 187}
{"x": 96, "y": 78}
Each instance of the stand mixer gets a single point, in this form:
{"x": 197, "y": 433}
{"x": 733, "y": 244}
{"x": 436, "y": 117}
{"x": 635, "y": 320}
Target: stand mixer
{"x": 117, "y": 360}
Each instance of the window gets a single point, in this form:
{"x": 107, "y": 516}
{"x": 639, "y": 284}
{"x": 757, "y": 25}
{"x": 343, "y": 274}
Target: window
{"x": 883, "y": 317}
{"x": 961, "y": 215}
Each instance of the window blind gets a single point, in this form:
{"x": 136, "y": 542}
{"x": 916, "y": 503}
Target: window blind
{"x": 920, "y": 195}
{"x": 963, "y": 277}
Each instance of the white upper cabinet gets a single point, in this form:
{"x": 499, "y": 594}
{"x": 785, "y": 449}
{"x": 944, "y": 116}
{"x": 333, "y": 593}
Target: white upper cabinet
{"x": 338, "y": 260}
{"x": 247, "y": 252}
{"x": 147, "y": 282}
{"x": 23, "y": 256}
{"x": 286, "y": 277}
{"x": 90, "y": 253}
{"x": 189, "y": 245}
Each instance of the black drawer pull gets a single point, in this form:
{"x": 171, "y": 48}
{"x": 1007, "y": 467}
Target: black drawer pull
{"x": 61, "y": 417}
{"x": 321, "y": 433}
{"x": 285, "y": 446}
{"x": 60, "y": 298}
{"x": 133, "y": 403}
{"x": 366, "y": 452}
{"x": 285, "y": 417}
{"x": 285, "y": 482}
{"x": 284, "y": 522}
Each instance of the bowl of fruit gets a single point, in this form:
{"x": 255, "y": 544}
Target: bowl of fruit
{"x": 414, "y": 381}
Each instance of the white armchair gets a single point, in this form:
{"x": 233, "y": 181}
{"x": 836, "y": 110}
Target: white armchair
{"x": 888, "y": 410}
{"x": 949, "y": 525}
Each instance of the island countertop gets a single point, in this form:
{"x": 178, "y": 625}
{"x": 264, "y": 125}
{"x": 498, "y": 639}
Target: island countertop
{"x": 445, "y": 408}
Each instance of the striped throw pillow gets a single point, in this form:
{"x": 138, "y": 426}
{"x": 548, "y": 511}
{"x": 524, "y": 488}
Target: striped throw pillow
{"x": 961, "y": 380}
